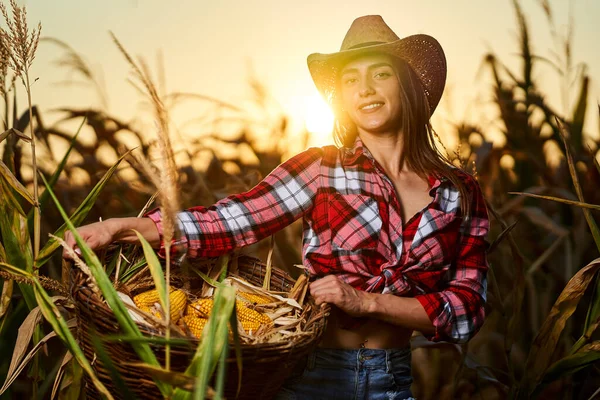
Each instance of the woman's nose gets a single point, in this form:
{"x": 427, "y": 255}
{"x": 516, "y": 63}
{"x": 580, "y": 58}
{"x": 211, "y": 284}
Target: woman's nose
{"x": 366, "y": 89}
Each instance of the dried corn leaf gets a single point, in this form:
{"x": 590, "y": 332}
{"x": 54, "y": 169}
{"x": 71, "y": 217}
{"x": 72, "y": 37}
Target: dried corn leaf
{"x": 134, "y": 314}
{"x": 242, "y": 285}
{"x": 547, "y": 339}
{"x": 280, "y": 313}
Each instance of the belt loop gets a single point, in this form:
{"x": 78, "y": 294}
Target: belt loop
{"x": 388, "y": 362}
{"x": 310, "y": 364}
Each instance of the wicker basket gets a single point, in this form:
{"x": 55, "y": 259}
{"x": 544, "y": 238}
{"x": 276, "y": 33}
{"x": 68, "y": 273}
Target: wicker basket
{"x": 265, "y": 365}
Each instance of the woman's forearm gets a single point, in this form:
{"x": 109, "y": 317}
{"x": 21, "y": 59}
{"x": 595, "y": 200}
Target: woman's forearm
{"x": 403, "y": 311}
{"x": 123, "y": 229}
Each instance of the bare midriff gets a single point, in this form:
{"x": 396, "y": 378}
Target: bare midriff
{"x": 371, "y": 334}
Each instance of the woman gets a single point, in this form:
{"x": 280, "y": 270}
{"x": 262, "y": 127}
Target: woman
{"x": 394, "y": 236}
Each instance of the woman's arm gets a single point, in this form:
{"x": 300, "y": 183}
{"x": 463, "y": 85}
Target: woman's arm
{"x": 403, "y": 311}
{"x": 282, "y": 197}
{"x": 236, "y": 221}
{"x": 100, "y": 234}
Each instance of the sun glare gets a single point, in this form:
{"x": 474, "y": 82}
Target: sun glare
{"x": 318, "y": 119}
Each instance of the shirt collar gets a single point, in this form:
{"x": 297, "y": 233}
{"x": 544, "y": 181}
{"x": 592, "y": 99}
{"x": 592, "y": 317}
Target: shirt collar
{"x": 351, "y": 154}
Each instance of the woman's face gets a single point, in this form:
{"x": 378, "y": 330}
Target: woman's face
{"x": 371, "y": 93}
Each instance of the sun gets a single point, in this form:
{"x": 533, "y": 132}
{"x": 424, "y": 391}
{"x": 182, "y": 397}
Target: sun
{"x": 318, "y": 119}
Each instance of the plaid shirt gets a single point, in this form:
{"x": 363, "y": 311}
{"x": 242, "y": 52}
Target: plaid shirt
{"x": 353, "y": 228}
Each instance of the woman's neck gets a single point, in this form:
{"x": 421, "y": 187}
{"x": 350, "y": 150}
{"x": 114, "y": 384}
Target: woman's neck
{"x": 387, "y": 149}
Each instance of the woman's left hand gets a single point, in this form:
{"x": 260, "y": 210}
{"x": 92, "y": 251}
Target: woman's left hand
{"x": 334, "y": 291}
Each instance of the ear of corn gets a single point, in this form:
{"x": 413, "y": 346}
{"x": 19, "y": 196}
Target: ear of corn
{"x": 178, "y": 302}
{"x": 177, "y": 299}
{"x": 149, "y": 297}
{"x": 254, "y": 298}
{"x": 200, "y": 308}
{"x": 246, "y": 314}
{"x": 250, "y": 319}
{"x": 194, "y": 324}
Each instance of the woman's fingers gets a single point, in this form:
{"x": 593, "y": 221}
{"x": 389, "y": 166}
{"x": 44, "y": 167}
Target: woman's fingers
{"x": 96, "y": 236}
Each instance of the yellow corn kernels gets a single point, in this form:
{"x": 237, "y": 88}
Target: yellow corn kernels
{"x": 149, "y": 297}
{"x": 250, "y": 319}
{"x": 177, "y": 299}
{"x": 200, "y": 308}
{"x": 250, "y": 326}
{"x": 254, "y": 298}
{"x": 195, "y": 325}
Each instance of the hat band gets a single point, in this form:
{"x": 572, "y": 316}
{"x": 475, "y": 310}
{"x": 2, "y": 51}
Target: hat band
{"x": 358, "y": 46}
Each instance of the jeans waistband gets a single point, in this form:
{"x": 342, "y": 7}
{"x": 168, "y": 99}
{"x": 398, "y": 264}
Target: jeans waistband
{"x": 359, "y": 358}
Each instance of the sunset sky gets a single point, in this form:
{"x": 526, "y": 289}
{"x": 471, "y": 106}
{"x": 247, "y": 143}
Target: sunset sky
{"x": 210, "y": 47}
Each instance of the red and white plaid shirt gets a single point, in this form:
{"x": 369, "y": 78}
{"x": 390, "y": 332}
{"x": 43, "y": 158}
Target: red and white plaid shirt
{"x": 353, "y": 228}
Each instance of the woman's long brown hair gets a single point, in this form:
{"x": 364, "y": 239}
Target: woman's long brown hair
{"x": 420, "y": 152}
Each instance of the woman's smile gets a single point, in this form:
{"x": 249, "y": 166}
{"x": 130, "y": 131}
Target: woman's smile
{"x": 370, "y": 107}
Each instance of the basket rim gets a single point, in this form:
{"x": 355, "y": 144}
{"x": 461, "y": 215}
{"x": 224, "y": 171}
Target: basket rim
{"x": 84, "y": 297}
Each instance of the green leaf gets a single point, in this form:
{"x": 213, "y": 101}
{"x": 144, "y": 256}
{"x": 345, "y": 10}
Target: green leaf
{"x": 146, "y": 339}
{"x": 110, "y": 294}
{"x": 79, "y": 214}
{"x": 213, "y": 342}
{"x": 156, "y": 271}
{"x": 587, "y": 356}
{"x": 59, "y": 325}
{"x": 17, "y": 244}
{"x": 124, "y": 277}
{"x": 54, "y": 178}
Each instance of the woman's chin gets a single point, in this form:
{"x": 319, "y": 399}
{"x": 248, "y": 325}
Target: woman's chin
{"x": 376, "y": 128}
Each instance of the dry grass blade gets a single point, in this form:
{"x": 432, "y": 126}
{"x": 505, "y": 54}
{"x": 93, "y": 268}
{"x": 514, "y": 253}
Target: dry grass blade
{"x": 7, "y": 291}
{"x": 546, "y": 254}
{"x": 560, "y": 200}
{"x": 518, "y": 291}
{"x": 79, "y": 262}
{"x": 267, "y": 280}
{"x": 168, "y": 178}
{"x": 14, "y": 183}
{"x": 72, "y": 323}
{"x": 24, "y": 336}
{"x": 588, "y": 215}
{"x": 61, "y": 370}
{"x": 547, "y": 338}
{"x": 76, "y": 63}
{"x": 501, "y": 237}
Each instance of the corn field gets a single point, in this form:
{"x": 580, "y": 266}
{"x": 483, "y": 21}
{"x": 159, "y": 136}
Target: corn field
{"x": 540, "y": 339}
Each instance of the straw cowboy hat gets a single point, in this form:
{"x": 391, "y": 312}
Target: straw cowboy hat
{"x": 371, "y": 34}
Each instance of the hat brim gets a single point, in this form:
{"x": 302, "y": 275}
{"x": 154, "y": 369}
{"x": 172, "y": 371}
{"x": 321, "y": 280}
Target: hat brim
{"x": 422, "y": 53}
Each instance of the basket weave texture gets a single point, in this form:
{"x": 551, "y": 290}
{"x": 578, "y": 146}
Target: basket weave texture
{"x": 265, "y": 365}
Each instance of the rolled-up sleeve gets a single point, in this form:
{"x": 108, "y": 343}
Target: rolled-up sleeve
{"x": 239, "y": 220}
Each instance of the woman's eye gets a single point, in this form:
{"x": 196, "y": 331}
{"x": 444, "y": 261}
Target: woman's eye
{"x": 382, "y": 75}
{"x": 349, "y": 81}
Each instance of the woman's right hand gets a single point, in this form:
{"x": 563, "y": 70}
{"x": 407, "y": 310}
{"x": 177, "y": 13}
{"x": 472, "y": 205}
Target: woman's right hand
{"x": 100, "y": 234}
{"x": 96, "y": 235}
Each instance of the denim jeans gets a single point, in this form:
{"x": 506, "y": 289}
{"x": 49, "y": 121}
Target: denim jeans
{"x": 369, "y": 374}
